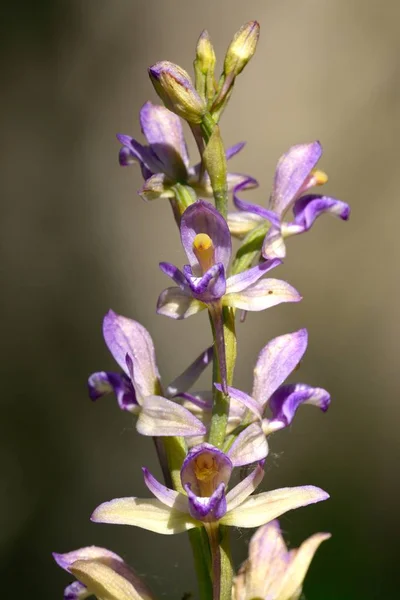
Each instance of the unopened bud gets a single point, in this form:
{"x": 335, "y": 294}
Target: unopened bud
{"x": 242, "y": 48}
{"x": 176, "y": 90}
{"x": 205, "y": 55}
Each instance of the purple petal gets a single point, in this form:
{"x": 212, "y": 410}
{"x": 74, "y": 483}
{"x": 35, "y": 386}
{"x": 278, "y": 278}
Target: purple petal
{"x": 243, "y": 398}
{"x": 233, "y": 180}
{"x": 162, "y": 417}
{"x": 285, "y": 401}
{"x": 66, "y": 560}
{"x": 250, "y": 446}
{"x": 76, "y": 591}
{"x": 178, "y": 304}
{"x": 243, "y": 280}
{"x": 175, "y": 274}
{"x": 233, "y": 150}
{"x": 209, "y": 287}
{"x": 242, "y": 490}
{"x": 263, "y": 294}
{"x": 275, "y": 363}
{"x": 141, "y": 154}
{"x": 123, "y": 337}
{"x": 248, "y": 206}
{"x": 163, "y": 131}
{"x": 126, "y": 159}
{"x": 292, "y": 171}
{"x": 103, "y": 383}
{"x": 184, "y": 382}
{"x": 221, "y": 466}
{"x": 207, "y": 508}
{"x": 202, "y": 217}
{"x": 198, "y": 399}
{"x": 309, "y": 207}
{"x": 168, "y": 497}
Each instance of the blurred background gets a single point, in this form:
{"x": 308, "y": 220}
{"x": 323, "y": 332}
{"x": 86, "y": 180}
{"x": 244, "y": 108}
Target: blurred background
{"x": 76, "y": 240}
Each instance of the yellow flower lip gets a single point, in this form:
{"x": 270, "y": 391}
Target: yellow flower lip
{"x": 203, "y": 248}
{"x": 319, "y": 177}
{"x": 202, "y": 242}
{"x": 205, "y": 467}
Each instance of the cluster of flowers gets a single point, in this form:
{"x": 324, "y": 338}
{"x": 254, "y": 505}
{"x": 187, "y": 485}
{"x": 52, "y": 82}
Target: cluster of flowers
{"x": 201, "y": 437}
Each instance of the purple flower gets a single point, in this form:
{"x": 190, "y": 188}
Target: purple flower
{"x": 101, "y": 573}
{"x": 294, "y": 176}
{"x": 138, "y": 388}
{"x": 165, "y": 161}
{"x": 272, "y": 572}
{"x": 275, "y": 363}
{"x": 204, "y": 497}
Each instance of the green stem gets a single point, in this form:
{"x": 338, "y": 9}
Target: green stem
{"x": 202, "y": 561}
{"x": 222, "y": 571}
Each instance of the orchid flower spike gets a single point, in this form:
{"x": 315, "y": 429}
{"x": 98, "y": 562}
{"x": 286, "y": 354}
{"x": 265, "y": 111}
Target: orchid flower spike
{"x": 272, "y": 572}
{"x": 294, "y": 176}
{"x": 100, "y": 573}
{"x": 164, "y": 161}
{"x": 204, "y": 498}
{"x": 138, "y": 388}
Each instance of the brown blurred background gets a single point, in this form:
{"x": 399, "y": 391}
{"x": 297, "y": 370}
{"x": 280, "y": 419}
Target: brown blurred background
{"x": 77, "y": 240}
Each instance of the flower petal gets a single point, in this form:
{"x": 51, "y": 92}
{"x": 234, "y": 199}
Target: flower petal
{"x": 156, "y": 186}
{"x": 249, "y": 446}
{"x": 219, "y": 461}
{"x": 175, "y": 274}
{"x": 210, "y": 286}
{"x": 76, "y": 591}
{"x": 240, "y": 223}
{"x": 233, "y": 150}
{"x": 275, "y": 363}
{"x": 287, "y": 399}
{"x": 237, "y": 495}
{"x": 177, "y": 304}
{"x": 168, "y": 497}
{"x": 243, "y": 398}
{"x": 202, "y": 217}
{"x": 160, "y": 417}
{"x": 308, "y": 208}
{"x": 164, "y": 133}
{"x": 124, "y": 337}
{"x": 265, "y": 507}
{"x": 242, "y": 281}
{"x": 207, "y": 508}
{"x": 274, "y": 244}
{"x": 139, "y": 153}
{"x": 291, "y": 172}
{"x": 149, "y": 514}
{"x": 103, "y": 383}
{"x": 262, "y": 295}
{"x": 184, "y": 382}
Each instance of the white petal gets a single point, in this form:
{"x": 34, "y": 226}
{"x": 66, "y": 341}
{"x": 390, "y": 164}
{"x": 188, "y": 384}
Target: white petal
{"x": 262, "y": 295}
{"x": 176, "y": 304}
{"x": 160, "y": 417}
{"x": 250, "y": 446}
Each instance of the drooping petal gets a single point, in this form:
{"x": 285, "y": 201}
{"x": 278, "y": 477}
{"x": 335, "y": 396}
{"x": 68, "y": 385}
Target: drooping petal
{"x": 124, "y": 337}
{"x": 262, "y": 508}
{"x": 210, "y": 286}
{"x": 139, "y": 153}
{"x": 177, "y": 304}
{"x": 285, "y": 401}
{"x": 164, "y": 133}
{"x": 202, "y": 217}
{"x": 162, "y": 417}
{"x": 240, "y": 223}
{"x": 275, "y": 363}
{"x": 233, "y": 180}
{"x": 249, "y": 446}
{"x": 308, "y": 208}
{"x": 149, "y": 514}
{"x": 242, "y": 281}
{"x": 291, "y": 172}
{"x": 205, "y": 461}
{"x": 274, "y": 244}
{"x": 237, "y": 495}
{"x": 184, "y": 382}
{"x": 175, "y": 274}
{"x": 102, "y": 383}
{"x": 244, "y": 398}
{"x": 233, "y": 150}
{"x": 262, "y": 295}
{"x": 207, "y": 508}
{"x": 168, "y": 497}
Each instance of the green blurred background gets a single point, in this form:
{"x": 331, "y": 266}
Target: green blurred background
{"x": 76, "y": 240}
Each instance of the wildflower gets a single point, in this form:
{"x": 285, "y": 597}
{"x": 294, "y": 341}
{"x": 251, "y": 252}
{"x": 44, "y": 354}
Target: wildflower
{"x": 272, "y": 572}
{"x": 138, "y": 388}
{"x": 165, "y": 161}
{"x": 295, "y": 175}
{"x": 205, "y": 475}
{"x": 274, "y": 364}
{"x": 101, "y": 573}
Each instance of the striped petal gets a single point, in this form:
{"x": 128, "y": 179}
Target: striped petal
{"x": 177, "y": 304}
{"x": 262, "y": 295}
{"x": 162, "y": 417}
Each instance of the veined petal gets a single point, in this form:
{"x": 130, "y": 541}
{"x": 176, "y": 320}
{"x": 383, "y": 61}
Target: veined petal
{"x": 177, "y": 304}
{"x": 102, "y": 383}
{"x": 175, "y": 274}
{"x": 210, "y": 286}
{"x": 291, "y": 172}
{"x": 124, "y": 337}
{"x": 262, "y": 508}
{"x": 164, "y": 133}
{"x": 184, "y": 382}
{"x": 162, "y": 417}
{"x": 274, "y": 244}
{"x": 275, "y": 363}
{"x": 202, "y": 217}
{"x": 262, "y": 295}
{"x": 237, "y": 495}
{"x": 139, "y": 153}
{"x": 147, "y": 513}
{"x": 285, "y": 401}
{"x": 167, "y": 496}
{"x": 242, "y": 281}
{"x": 308, "y": 208}
{"x": 249, "y": 446}
{"x": 240, "y": 223}
{"x": 243, "y": 398}
{"x": 207, "y": 508}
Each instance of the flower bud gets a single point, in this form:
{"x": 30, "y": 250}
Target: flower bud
{"x": 205, "y": 55}
{"x": 242, "y": 48}
{"x": 176, "y": 90}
